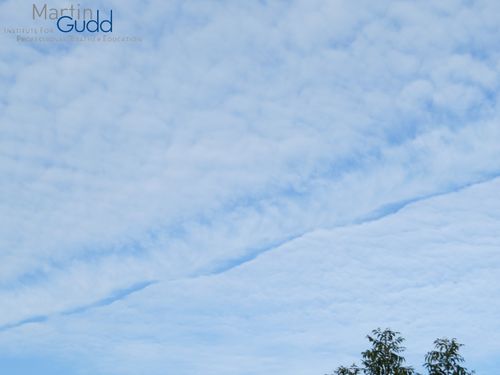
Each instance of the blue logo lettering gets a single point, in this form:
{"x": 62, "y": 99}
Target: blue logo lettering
{"x": 92, "y": 26}
{"x": 68, "y": 26}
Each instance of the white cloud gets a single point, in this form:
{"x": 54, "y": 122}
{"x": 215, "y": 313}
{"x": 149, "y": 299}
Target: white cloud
{"x": 231, "y": 128}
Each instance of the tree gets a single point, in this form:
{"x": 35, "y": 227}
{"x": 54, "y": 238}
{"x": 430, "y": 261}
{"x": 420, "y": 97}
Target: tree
{"x": 353, "y": 370}
{"x": 384, "y": 358}
{"x": 445, "y": 359}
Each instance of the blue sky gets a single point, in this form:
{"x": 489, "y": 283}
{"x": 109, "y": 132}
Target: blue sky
{"x": 251, "y": 188}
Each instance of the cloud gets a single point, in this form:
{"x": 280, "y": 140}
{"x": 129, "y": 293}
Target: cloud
{"x": 230, "y": 132}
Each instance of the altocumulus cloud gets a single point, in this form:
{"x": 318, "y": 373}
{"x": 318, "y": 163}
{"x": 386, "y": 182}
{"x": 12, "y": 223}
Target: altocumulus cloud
{"x": 251, "y": 186}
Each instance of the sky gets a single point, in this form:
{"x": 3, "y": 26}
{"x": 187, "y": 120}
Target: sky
{"x": 249, "y": 187}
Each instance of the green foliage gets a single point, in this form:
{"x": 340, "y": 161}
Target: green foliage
{"x": 445, "y": 359}
{"x": 384, "y": 358}
{"x": 353, "y": 370}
